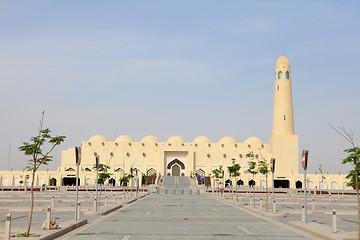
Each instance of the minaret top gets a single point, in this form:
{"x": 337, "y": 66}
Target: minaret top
{"x": 283, "y": 61}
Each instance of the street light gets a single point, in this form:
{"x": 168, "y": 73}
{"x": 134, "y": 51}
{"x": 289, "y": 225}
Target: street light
{"x": 97, "y": 158}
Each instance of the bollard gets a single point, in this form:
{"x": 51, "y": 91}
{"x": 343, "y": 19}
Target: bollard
{"x": 114, "y": 199}
{"x": 174, "y": 190}
{"x": 251, "y": 202}
{"x": 8, "y": 226}
{"x": 182, "y": 191}
{"x": 292, "y": 194}
{"x": 190, "y": 191}
{"x": 95, "y": 210}
{"x": 105, "y": 201}
{"x": 329, "y": 198}
{"x": 334, "y": 227}
{"x": 158, "y": 192}
{"x": 261, "y": 203}
{"x": 78, "y": 213}
{"x": 313, "y": 204}
{"x": 274, "y": 207}
{"x": 166, "y": 191}
{"x": 48, "y": 218}
{"x": 198, "y": 191}
{"x": 303, "y": 213}
{"x": 53, "y": 202}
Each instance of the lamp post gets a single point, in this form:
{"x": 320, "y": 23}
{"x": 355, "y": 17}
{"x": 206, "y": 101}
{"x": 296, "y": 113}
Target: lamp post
{"x": 272, "y": 168}
{"x": 97, "y": 158}
{"x": 304, "y": 161}
{"x": 78, "y": 161}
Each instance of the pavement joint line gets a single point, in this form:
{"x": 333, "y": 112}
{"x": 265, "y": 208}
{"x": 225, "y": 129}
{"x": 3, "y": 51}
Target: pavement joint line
{"x": 127, "y": 237}
{"x": 99, "y": 219}
{"x": 147, "y": 213}
{"x": 244, "y": 230}
{"x": 214, "y": 209}
{"x": 300, "y": 232}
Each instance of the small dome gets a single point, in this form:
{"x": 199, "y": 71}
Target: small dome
{"x": 227, "y": 140}
{"x": 176, "y": 139}
{"x": 254, "y": 140}
{"x": 124, "y": 138}
{"x": 283, "y": 61}
{"x": 150, "y": 139}
{"x": 98, "y": 138}
{"x": 202, "y": 139}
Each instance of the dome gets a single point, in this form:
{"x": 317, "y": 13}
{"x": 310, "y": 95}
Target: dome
{"x": 98, "y": 138}
{"x": 283, "y": 61}
{"x": 227, "y": 140}
{"x": 254, "y": 140}
{"x": 150, "y": 139}
{"x": 176, "y": 139}
{"x": 124, "y": 138}
{"x": 202, "y": 139}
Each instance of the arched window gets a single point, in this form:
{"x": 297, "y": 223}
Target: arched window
{"x": 287, "y": 75}
{"x": 280, "y": 75}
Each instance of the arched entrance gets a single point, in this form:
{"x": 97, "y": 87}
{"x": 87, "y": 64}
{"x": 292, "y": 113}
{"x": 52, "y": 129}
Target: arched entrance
{"x": 175, "y": 167}
{"x": 298, "y": 184}
{"x": 53, "y": 182}
{"x": 112, "y": 182}
{"x": 175, "y": 170}
{"x": 251, "y": 183}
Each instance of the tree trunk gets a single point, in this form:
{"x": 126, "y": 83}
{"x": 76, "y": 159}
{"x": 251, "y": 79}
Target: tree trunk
{"x": 357, "y": 196}
{"x": 237, "y": 194}
{"x": 253, "y": 189}
{"x": 31, "y": 204}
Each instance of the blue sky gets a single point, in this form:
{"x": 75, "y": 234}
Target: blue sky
{"x": 185, "y": 68}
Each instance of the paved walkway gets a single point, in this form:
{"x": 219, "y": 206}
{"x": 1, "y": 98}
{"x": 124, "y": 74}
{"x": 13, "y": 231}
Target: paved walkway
{"x": 182, "y": 216}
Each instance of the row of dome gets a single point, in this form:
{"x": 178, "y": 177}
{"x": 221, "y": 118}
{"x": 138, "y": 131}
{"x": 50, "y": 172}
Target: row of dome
{"x": 174, "y": 139}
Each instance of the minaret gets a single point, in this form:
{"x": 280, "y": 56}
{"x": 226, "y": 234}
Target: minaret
{"x": 283, "y": 122}
{"x": 283, "y": 142}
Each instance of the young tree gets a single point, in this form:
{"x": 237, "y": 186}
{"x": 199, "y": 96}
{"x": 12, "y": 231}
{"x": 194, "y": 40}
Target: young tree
{"x": 264, "y": 168}
{"x": 218, "y": 175}
{"x": 353, "y": 158}
{"x": 252, "y": 169}
{"x": 39, "y": 156}
{"x": 103, "y": 173}
{"x": 234, "y": 171}
{"x": 322, "y": 177}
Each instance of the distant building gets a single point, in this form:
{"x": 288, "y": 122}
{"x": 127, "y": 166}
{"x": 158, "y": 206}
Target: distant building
{"x": 151, "y": 158}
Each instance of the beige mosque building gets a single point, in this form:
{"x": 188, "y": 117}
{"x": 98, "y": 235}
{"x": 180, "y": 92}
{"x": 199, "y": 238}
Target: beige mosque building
{"x": 150, "y": 158}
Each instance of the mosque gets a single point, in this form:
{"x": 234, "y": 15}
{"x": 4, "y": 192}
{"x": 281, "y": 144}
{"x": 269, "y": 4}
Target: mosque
{"x": 149, "y": 159}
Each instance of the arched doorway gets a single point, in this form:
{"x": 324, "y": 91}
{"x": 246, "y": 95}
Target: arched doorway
{"x": 298, "y": 184}
{"x": 175, "y": 167}
{"x": 112, "y": 182}
{"x": 240, "y": 182}
{"x": 53, "y": 182}
{"x": 251, "y": 183}
{"x": 175, "y": 170}
{"x": 322, "y": 185}
{"x": 228, "y": 183}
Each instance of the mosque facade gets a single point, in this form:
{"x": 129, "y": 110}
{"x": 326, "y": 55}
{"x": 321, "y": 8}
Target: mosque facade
{"x": 150, "y": 158}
